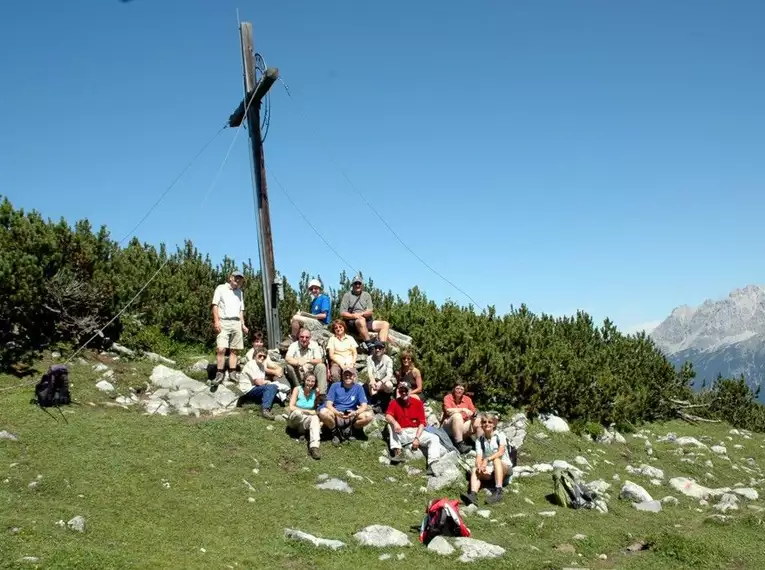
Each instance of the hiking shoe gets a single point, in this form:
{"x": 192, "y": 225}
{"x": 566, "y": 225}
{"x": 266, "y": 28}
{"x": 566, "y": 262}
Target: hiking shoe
{"x": 396, "y": 457}
{"x": 336, "y": 441}
{"x": 430, "y": 472}
{"x": 219, "y": 377}
{"x": 463, "y": 448}
{"x": 469, "y": 499}
{"x": 347, "y": 434}
{"x": 314, "y": 452}
{"x": 268, "y": 414}
{"x": 233, "y": 376}
{"x": 495, "y": 497}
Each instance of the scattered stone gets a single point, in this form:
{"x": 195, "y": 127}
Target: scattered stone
{"x": 440, "y": 545}
{"x": 602, "y": 557}
{"x": 199, "y": 366}
{"x": 719, "y": 450}
{"x": 300, "y": 535}
{"x": 335, "y": 485}
{"x": 719, "y": 518}
{"x": 100, "y": 367}
{"x": 8, "y": 435}
{"x": 648, "y": 506}
{"x": 687, "y": 440}
{"x": 412, "y": 470}
{"x": 447, "y": 470}
{"x": 689, "y": 487}
{"x": 485, "y": 513}
{"x": 381, "y": 536}
{"x": 646, "y": 470}
{"x": 669, "y": 500}
{"x": 610, "y": 436}
{"x": 77, "y": 523}
{"x": 734, "y": 431}
{"x": 542, "y": 468}
{"x": 579, "y": 537}
{"x": 747, "y": 493}
{"x": 30, "y": 559}
{"x": 474, "y": 549}
{"x": 728, "y": 502}
{"x": 579, "y": 460}
{"x": 554, "y": 423}
{"x": 635, "y": 493}
{"x": 566, "y": 548}
{"x": 351, "y": 475}
{"x": 541, "y": 435}
{"x": 546, "y": 513}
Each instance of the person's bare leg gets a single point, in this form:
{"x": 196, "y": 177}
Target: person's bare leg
{"x": 361, "y": 328}
{"x": 382, "y": 328}
{"x": 220, "y": 357}
{"x": 232, "y": 360}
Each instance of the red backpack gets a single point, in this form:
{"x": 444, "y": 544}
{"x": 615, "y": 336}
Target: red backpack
{"x": 442, "y": 517}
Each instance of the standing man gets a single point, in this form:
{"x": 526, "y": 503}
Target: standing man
{"x": 356, "y": 310}
{"x": 321, "y": 308}
{"x": 228, "y": 321}
{"x": 304, "y": 356}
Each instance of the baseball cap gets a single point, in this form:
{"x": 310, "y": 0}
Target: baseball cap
{"x": 376, "y": 342}
{"x": 350, "y": 369}
{"x": 404, "y": 384}
{"x": 237, "y": 273}
{"x": 314, "y": 283}
{"x": 357, "y": 279}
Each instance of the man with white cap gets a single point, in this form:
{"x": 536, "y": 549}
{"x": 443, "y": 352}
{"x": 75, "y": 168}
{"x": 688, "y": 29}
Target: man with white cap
{"x": 356, "y": 310}
{"x": 406, "y": 420}
{"x": 345, "y": 408}
{"x": 321, "y": 308}
{"x": 228, "y": 321}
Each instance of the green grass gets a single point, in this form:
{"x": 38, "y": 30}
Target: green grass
{"x": 109, "y": 464}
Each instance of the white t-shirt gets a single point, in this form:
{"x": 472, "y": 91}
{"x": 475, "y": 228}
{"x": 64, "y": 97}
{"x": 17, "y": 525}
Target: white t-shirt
{"x": 492, "y": 445}
{"x": 313, "y": 352}
{"x": 230, "y": 301}
{"x": 249, "y": 356}
{"x": 251, "y": 372}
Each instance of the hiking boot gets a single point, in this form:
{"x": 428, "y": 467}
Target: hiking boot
{"x": 268, "y": 414}
{"x": 396, "y": 457}
{"x": 347, "y": 434}
{"x": 495, "y": 497}
{"x": 463, "y": 447}
{"x": 430, "y": 472}
{"x": 219, "y": 377}
{"x": 233, "y": 376}
{"x": 336, "y": 441}
{"x": 469, "y": 499}
{"x": 314, "y": 452}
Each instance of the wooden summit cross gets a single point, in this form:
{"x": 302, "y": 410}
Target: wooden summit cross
{"x": 249, "y": 110}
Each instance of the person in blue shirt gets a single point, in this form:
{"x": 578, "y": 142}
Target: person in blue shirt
{"x": 345, "y": 408}
{"x": 321, "y": 309}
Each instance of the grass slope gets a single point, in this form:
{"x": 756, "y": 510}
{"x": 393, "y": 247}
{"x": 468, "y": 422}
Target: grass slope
{"x": 168, "y": 492}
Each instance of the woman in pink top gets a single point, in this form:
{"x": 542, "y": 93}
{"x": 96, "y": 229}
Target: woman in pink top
{"x": 459, "y": 418}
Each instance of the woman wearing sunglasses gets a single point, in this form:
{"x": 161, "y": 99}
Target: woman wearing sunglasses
{"x": 492, "y": 461}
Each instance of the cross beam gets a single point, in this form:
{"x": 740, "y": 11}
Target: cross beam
{"x": 249, "y": 110}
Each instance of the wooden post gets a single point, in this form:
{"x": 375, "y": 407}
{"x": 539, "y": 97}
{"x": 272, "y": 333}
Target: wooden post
{"x": 253, "y": 95}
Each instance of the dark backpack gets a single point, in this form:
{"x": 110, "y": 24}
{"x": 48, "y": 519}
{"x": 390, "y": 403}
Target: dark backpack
{"x": 442, "y": 517}
{"x": 569, "y": 493}
{"x": 53, "y": 388}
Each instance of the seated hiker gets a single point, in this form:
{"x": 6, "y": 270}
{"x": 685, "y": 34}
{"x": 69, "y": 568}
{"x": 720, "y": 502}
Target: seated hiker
{"x": 408, "y": 372}
{"x": 406, "y": 417}
{"x": 321, "y": 308}
{"x": 273, "y": 371}
{"x": 346, "y": 408}
{"x": 342, "y": 350}
{"x": 255, "y": 385}
{"x": 303, "y": 416}
{"x": 305, "y": 356}
{"x": 380, "y": 380}
{"x": 357, "y": 311}
{"x": 459, "y": 418}
{"x": 492, "y": 462}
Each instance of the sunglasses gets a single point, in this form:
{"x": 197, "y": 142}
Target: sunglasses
{"x": 261, "y": 357}
{"x": 305, "y": 338}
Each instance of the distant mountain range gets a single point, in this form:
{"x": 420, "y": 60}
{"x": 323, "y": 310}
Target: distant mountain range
{"x": 725, "y": 336}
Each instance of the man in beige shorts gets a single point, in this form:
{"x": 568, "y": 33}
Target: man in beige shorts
{"x": 228, "y": 321}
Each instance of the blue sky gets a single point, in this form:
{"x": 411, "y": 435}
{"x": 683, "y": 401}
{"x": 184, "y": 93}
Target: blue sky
{"x": 601, "y": 155}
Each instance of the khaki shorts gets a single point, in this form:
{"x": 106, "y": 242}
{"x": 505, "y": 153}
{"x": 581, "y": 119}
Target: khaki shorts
{"x": 230, "y": 335}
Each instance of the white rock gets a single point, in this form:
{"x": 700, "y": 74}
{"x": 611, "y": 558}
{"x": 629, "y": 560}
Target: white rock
{"x": 734, "y": 431}
{"x": 200, "y": 366}
{"x": 541, "y": 435}
{"x": 579, "y": 537}
{"x": 474, "y": 549}
{"x": 77, "y": 523}
{"x": 8, "y": 435}
{"x": 335, "y": 485}
{"x": 579, "y": 460}
{"x": 105, "y": 386}
{"x": 599, "y": 486}
{"x": 158, "y": 407}
{"x": 440, "y": 545}
{"x": 546, "y": 513}
{"x": 719, "y": 450}
{"x": 634, "y": 492}
{"x": 728, "y": 502}
{"x": 100, "y": 367}
{"x": 646, "y": 470}
{"x": 381, "y": 536}
{"x": 300, "y": 535}
{"x": 648, "y": 506}
{"x": 689, "y": 488}
{"x": 554, "y": 423}
{"x": 687, "y": 440}
{"x": 123, "y": 401}
{"x": 669, "y": 500}
{"x": 747, "y": 493}
{"x": 542, "y": 468}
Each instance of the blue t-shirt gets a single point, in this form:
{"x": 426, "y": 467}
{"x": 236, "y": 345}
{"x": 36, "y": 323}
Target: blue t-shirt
{"x": 345, "y": 399}
{"x": 322, "y": 304}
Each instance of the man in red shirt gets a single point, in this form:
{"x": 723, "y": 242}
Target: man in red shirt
{"x": 406, "y": 418}
{"x": 459, "y": 418}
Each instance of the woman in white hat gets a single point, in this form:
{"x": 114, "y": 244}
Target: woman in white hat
{"x": 321, "y": 308}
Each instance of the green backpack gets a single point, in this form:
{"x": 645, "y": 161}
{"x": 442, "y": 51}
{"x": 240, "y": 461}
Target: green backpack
{"x": 568, "y": 493}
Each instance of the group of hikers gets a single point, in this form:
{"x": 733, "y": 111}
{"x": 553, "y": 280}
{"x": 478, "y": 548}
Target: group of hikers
{"x": 323, "y": 392}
